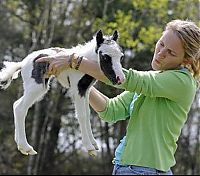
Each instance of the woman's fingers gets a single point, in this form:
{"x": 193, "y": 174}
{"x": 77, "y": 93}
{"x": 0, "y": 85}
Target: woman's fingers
{"x": 53, "y": 64}
{"x": 56, "y": 66}
{"x": 57, "y": 63}
{"x": 45, "y": 59}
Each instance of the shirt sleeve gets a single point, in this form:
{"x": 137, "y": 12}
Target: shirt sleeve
{"x": 175, "y": 85}
{"x": 117, "y": 108}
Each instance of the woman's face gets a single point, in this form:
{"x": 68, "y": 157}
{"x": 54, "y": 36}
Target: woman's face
{"x": 169, "y": 52}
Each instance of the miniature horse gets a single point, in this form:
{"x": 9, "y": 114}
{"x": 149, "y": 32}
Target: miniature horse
{"x": 36, "y": 82}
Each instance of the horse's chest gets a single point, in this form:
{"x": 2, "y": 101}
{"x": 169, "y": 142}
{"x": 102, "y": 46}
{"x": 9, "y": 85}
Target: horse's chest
{"x": 76, "y": 81}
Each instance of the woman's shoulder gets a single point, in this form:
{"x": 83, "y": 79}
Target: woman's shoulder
{"x": 185, "y": 76}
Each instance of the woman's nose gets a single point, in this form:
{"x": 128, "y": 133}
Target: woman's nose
{"x": 162, "y": 52}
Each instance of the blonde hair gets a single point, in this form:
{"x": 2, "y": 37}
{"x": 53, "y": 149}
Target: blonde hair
{"x": 189, "y": 33}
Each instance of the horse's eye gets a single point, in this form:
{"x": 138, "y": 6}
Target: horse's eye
{"x": 106, "y": 57}
{"x": 122, "y": 57}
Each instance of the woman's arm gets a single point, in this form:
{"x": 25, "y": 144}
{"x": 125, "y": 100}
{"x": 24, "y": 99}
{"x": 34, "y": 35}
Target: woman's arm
{"x": 94, "y": 69}
{"x": 98, "y": 101}
{"x": 58, "y": 63}
{"x": 111, "y": 110}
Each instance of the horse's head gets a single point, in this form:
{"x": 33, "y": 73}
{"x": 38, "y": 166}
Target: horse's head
{"x": 110, "y": 56}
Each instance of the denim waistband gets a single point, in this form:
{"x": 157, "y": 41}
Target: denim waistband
{"x": 143, "y": 168}
{"x": 148, "y": 168}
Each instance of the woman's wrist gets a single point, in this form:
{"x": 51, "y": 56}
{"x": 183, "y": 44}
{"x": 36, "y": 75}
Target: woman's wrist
{"x": 79, "y": 60}
{"x": 86, "y": 66}
{"x": 75, "y": 61}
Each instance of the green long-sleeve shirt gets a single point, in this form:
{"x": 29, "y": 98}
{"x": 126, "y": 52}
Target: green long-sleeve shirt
{"x": 158, "y": 116}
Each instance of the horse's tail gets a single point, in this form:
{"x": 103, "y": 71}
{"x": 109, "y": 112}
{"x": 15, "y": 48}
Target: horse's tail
{"x": 9, "y": 72}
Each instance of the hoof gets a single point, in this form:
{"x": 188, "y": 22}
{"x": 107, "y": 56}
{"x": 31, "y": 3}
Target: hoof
{"x": 27, "y": 152}
{"x": 92, "y": 153}
{"x": 96, "y": 146}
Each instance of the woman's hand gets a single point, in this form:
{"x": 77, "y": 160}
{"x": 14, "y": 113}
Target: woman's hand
{"x": 58, "y": 63}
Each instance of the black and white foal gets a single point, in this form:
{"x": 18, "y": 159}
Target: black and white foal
{"x": 102, "y": 49}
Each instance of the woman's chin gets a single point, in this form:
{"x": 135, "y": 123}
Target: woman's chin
{"x": 154, "y": 67}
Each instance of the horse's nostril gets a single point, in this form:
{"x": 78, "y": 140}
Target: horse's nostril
{"x": 118, "y": 80}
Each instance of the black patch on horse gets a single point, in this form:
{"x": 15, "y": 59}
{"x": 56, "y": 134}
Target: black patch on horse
{"x": 106, "y": 67}
{"x": 84, "y": 83}
{"x": 3, "y": 83}
{"x": 39, "y": 69}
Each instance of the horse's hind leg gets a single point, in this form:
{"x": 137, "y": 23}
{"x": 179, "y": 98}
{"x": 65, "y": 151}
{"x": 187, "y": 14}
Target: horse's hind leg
{"x": 20, "y": 108}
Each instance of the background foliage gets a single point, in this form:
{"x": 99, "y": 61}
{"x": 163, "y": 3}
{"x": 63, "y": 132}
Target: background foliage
{"x": 28, "y": 25}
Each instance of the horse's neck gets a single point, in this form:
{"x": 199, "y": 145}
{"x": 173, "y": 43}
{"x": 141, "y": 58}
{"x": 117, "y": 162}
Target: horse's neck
{"x": 87, "y": 50}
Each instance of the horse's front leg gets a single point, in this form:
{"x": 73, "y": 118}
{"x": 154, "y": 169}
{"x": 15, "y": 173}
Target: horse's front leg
{"x": 81, "y": 114}
{"x": 88, "y": 123}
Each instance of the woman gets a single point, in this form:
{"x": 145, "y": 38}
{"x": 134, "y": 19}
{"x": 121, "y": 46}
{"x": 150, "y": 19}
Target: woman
{"x": 157, "y": 102}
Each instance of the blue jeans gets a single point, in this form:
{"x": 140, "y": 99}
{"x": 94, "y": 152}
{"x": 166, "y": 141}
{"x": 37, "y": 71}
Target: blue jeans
{"x": 137, "y": 170}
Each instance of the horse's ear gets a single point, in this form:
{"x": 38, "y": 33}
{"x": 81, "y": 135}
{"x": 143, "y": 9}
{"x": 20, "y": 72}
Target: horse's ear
{"x": 99, "y": 37}
{"x": 115, "y": 35}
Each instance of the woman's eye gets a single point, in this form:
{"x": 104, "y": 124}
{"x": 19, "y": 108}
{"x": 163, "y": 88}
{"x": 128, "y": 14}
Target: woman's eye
{"x": 161, "y": 43}
{"x": 171, "y": 53}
